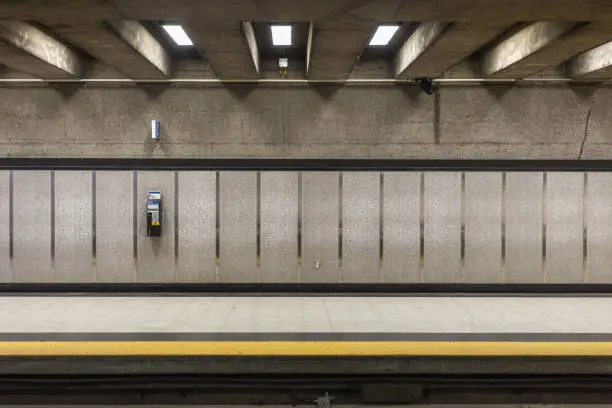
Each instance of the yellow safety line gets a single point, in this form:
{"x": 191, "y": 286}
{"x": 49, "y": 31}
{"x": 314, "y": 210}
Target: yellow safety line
{"x": 302, "y": 348}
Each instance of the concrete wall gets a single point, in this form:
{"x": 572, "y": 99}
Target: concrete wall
{"x": 410, "y": 227}
{"x": 307, "y": 122}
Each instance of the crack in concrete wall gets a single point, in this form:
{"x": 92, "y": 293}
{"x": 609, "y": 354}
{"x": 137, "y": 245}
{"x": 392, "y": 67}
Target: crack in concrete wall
{"x": 586, "y": 133}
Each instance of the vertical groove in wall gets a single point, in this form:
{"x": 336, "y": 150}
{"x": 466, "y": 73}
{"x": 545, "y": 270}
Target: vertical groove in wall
{"x": 299, "y": 225}
{"x": 585, "y": 200}
{"x": 52, "y": 180}
{"x": 11, "y": 224}
{"x": 259, "y": 224}
{"x": 462, "y": 271}
{"x": 217, "y": 225}
{"x": 503, "y": 228}
{"x": 544, "y": 211}
{"x": 422, "y": 228}
{"x": 135, "y": 222}
{"x": 436, "y": 124}
{"x": 94, "y": 260}
{"x": 381, "y": 218}
{"x": 176, "y": 226}
{"x": 340, "y": 181}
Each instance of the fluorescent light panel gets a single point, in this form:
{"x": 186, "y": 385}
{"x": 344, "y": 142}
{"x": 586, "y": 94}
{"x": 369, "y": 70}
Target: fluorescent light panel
{"x": 281, "y": 35}
{"x": 383, "y": 35}
{"x": 177, "y": 33}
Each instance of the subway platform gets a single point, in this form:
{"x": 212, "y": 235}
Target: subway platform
{"x": 317, "y": 326}
{"x": 134, "y": 349}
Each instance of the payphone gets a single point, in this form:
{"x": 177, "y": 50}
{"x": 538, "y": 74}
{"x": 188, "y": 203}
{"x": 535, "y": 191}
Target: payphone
{"x": 154, "y": 214}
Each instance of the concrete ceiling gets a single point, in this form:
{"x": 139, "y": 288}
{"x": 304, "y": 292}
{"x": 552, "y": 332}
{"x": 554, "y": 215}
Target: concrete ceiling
{"x": 512, "y": 39}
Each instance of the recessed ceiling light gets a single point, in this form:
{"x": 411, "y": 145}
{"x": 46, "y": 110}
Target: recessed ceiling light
{"x": 383, "y": 35}
{"x": 178, "y": 34}
{"x": 281, "y": 35}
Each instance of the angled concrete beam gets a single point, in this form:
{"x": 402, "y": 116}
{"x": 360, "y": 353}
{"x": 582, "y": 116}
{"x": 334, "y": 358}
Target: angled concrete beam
{"x": 249, "y": 36}
{"x": 536, "y": 47}
{"x": 416, "y": 45}
{"x": 27, "y": 48}
{"x": 147, "y": 60}
{"x": 592, "y": 64}
{"x": 226, "y": 48}
{"x": 560, "y": 49}
{"x": 457, "y": 42}
{"x": 309, "y": 47}
{"x": 336, "y": 48}
{"x": 151, "y": 53}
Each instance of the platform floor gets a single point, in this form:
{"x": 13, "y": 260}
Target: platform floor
{"x": 121, "y": 325}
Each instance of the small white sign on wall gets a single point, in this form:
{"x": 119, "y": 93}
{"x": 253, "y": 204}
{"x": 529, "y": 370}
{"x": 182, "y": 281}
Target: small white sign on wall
{"x": 155, "y": 129}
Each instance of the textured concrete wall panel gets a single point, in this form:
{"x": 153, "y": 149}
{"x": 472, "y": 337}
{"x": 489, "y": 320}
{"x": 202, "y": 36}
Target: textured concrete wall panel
{"x": 483, "y": 228}
{"x": 361, "y": 227}
{"x": 238, "y": 227}
{"x": 564, "y": 232}
{"x": 598, "y": 212}
{"x": 515, "y": 116}
{"x": 6, "y": 274}
{"x": 115, "y": 227}
{"x": 279, "y": 227}
{"x": 32, "y": 227}
{"x": 320, "y": 232}
{"x": 498, "y": 122}
{"x": 442, "y": 219}
{"x": 73, "y": 226}
{"x": 524, "y": 200}
{"x": 401, "y": 227}
{"x": 197, "y": 203}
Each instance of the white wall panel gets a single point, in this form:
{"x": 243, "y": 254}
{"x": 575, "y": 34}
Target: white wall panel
{"x": 238, "y": 234}
{"x": 361, "y": 227}
{"x": 73, "y": 226}
{"x": 564, "y": 203}
{"x": 115, "y": 227}
{"x": 599, "y": 228}
{"x": 524, "y": 192}
{"x": 483, "y": 225}
{"x": 6, "y": 275}
{"x": 32, "y": 227}
{"x": 401, "y": 222}
{"x": 320, "y": 208}
{"x": 442, "y": 227}
{"x": 197, "y": 226}
{"x": 279, "y": 224}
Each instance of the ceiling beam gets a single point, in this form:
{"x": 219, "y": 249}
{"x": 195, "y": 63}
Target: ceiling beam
{"x": 126, "y": 46}
{"x": 592, "y": 64}
{"x": 27, "y": 48}
{"x": 226, "y": 47}
{"x": 517, "y": 54}
{"x": 336, "y": 48}
{"x": 416, "y": 45}
{"x": 542, "y": 45}
{"x": 431, "y": 55}
{"x": 309, "y": 47}
{"x": 249, "y": 36}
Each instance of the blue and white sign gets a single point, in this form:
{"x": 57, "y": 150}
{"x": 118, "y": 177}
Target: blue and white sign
{"x": 155, "y": 129}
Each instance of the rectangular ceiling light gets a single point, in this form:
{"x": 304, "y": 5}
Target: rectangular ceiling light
{"x": 383, "y": 35}
{"x": 177, "y": 33}
{"x": 281, "y": 35}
